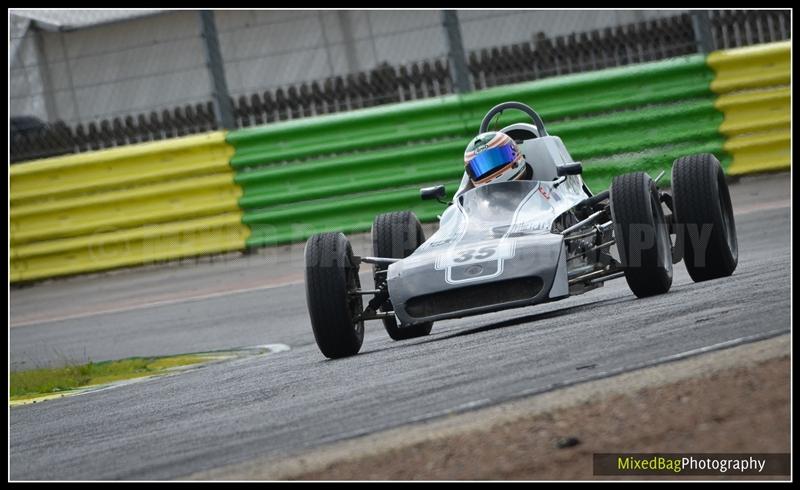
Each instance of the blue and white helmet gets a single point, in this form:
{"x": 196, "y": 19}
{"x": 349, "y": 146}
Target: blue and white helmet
{"x": 493, "y": 157}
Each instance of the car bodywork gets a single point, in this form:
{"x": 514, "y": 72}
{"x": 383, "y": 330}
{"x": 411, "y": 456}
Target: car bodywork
{"x": 495, "y": 247}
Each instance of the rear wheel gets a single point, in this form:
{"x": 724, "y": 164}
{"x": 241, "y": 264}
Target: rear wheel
{"x": 641, "y": 234}
{"x": 331, "y": 274}
{"x": 396, "y": 235}
{"x": 703, "y": 208}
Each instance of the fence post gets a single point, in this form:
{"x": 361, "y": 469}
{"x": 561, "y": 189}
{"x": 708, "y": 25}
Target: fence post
{"x": 702, "y": 31}
{"x": 455, "y": 51}
{"x": 223, "y": 107}
{"x": 42, "y": 63}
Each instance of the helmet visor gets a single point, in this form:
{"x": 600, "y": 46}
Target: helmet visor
{"x": 489, "y": 160}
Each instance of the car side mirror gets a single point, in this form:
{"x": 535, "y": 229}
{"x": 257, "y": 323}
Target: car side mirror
{"x": 571, "y": 169}
{"x": 429, "y": 193}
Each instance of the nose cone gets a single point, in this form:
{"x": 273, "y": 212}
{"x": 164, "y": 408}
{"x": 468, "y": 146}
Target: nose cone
{"x": 454, "y": 289}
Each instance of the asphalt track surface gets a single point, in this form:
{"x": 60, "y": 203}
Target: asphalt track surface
{"x": 284, "y": 403}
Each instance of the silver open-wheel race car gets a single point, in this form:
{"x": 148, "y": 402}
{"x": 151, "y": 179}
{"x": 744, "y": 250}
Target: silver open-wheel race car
{"x": 518, "y": 243}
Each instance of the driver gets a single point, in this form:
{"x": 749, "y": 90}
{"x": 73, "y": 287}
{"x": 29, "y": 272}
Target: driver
{"x": 493, "y": 157}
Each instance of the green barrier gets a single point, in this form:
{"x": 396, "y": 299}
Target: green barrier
{"x": 340, "y": 133}
{"x": 337, "y": 172}
{"x": 355, "y": 212}
{"x": 611, "y": 89}
{"x": 292, "y": 223}
{"x": 597, "y": 137}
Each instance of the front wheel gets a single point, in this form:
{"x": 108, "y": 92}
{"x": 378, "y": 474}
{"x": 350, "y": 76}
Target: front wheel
{"x": 704, "y": 217}
{"x": 396, "y": 235}
{"x": 641, "y": 234}
{"x": 331, "y": 277}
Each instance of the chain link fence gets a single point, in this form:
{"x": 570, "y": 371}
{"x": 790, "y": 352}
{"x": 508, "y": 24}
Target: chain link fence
{"x": 102, "y": 79}
{"x": 341, "y": 62}
{"x": 127, "y": 67}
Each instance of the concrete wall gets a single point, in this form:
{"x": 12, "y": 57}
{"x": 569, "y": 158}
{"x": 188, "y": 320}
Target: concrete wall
{"x": 157, "y": 62}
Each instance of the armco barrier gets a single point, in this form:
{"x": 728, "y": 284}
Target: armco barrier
{"x": 130, "y": 205}
{"x": 177, "y": 198}
{"x": 337, "y": 172}
{"x": 754, "y": 87}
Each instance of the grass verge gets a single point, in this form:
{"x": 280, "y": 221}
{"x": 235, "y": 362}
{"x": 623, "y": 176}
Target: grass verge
{"x": 49, "y": 381}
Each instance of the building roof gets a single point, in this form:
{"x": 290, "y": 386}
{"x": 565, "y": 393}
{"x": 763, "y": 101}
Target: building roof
{"x": 64, "y": 20}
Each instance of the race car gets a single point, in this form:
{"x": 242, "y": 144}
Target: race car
{"x": 519, "y": 243}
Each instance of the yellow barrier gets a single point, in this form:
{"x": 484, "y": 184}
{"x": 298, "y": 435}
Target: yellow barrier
{"x": 121, "y": 167}
{"x": 762, "y": 65}
{"x": 124, "y": 206}
{"x": 143, "y": 245}
{"x": 170, "y": 201}
{"x": 754, "y": 87}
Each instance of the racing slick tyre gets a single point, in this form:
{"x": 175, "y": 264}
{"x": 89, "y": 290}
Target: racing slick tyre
{"x": 396, "y": 235}
{"x": 330, "y": 276}
{"x": 641, "y": 233}
{"x": 702, "y": 202}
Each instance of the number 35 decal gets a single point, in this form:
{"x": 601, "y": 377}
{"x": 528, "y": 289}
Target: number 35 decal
{"x": 482, "y": 253}
{"x": 486, "y": 252}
